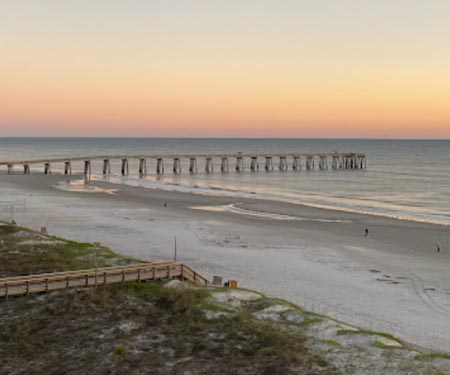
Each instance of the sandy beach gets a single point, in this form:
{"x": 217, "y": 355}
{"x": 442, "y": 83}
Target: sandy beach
{"x": 393, "y": 281}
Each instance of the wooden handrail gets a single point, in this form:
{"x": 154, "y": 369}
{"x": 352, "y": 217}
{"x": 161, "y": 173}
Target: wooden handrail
{"x": 46, "y": 282}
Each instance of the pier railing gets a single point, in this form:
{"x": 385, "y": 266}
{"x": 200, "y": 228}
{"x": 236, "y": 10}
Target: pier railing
{"x": 46, "y": 282}
{"x": 284, "y": 161}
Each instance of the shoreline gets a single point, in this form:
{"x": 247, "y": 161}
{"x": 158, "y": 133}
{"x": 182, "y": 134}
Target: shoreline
{"x": 392, "y": 281}
{"x": 116, "y": 181}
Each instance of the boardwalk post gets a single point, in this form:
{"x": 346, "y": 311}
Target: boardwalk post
{"x": 104, "y": 278}
{"x": 123, "y": 275}
{"x": 6, "y": 290}
{"x": 154, "y": 273}
{"x": 139, "y": 275}
{"x": 46, "y": 285}
{"x": 27, "y": 287}
{"x": 182, "y": 271}
{"x": 67, "y": 282}
{"x": 86, "y": 281}
{"x": 168, "y": 272}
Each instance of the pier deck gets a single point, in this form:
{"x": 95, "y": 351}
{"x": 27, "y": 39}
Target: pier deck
{"x": 339, "y": 161}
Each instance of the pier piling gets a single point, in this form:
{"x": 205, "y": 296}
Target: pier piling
{"x": 269, "y": 164}
{"x": 310, "y": 163}
{"x": 159, "y": 166}
{"x": 106, "y": 166}
{"x": 142, "y": 167}
{"x": 47, "y": 168}
{"x": 209, "y": 168}
{"x": 224, "y": 165}
{"x": 193, "y": 165}
{"x": 87, "y": 167}
{"x": 296, "y": 165}
{"x": 125, "y": 167}
{"x": 67, "y": 168}
{"x": 239, "y": 164}
{"x": 254, "y": 166}
{"x": 176, "y": 166}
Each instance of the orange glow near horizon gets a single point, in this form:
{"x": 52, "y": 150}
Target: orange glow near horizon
{"x": 150, "y": 83}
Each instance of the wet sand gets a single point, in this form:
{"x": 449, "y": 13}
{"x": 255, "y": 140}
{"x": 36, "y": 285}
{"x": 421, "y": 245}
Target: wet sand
{"x": 392, "y": 281}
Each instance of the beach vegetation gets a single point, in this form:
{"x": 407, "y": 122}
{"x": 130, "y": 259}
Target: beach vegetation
{"x": 342, "y": 332}
{"x": 431, "y": 356}
{"x": 25, "y": 252}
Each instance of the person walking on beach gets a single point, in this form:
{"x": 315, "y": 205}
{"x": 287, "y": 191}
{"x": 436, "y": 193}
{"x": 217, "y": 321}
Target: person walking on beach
{"x": 438, "y": 247}
{"x": 366, "y": 233}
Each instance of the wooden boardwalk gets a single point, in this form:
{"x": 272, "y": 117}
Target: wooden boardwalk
{"x": 47, "y": 282}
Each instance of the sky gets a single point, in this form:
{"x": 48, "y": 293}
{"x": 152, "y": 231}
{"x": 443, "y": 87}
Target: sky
{"x": 230, "y": 68}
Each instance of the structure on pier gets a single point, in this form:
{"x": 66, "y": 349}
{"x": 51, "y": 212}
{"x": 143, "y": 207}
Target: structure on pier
{"x": 339, "y": 161}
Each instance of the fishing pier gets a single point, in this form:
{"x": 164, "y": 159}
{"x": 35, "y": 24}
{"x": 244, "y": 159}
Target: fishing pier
{"x": 224, "y": 162}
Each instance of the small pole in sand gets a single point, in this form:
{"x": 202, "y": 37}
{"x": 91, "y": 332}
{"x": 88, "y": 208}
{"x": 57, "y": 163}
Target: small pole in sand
{"x": 175, "y": 249}
{"x": 438, "y": 247}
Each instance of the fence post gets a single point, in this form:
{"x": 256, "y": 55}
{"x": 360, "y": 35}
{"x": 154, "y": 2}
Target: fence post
{"x": 139, "y": 275}
{"x": 104, "y": 278}
{"x": 6, "y": 290}
{"x": 168, "y": 272}
{"x": 86, "y": 280}
{"x": 28, "y": 287}
{"x": 182, "y": 273}
{"x": 67, "y": 282}
{"x": 123, "y": 275}
{"x": 154, "y": 273}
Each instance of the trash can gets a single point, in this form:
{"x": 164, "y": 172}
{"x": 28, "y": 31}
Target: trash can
{"x": 217, "y": 280}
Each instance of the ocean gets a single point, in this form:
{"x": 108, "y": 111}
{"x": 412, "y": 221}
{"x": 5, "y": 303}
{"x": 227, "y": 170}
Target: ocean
{"x": 406, "y": 179}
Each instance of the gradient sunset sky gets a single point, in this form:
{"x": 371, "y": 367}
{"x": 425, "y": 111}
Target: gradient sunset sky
{"x": 230, "y": 68}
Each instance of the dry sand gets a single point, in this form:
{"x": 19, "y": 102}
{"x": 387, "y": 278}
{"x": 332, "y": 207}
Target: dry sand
{"x": 393, "y": 281}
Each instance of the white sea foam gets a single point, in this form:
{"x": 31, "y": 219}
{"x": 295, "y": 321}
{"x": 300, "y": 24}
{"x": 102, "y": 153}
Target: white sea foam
{"x": 327, "y": 203}
{"x": 266, "y": 215}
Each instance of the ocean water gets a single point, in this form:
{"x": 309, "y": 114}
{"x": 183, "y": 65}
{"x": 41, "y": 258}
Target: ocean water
{"x": 407, "y": 179}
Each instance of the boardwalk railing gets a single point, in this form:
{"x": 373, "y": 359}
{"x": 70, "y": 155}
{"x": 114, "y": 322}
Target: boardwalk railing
{"x": 46, "y": 282}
